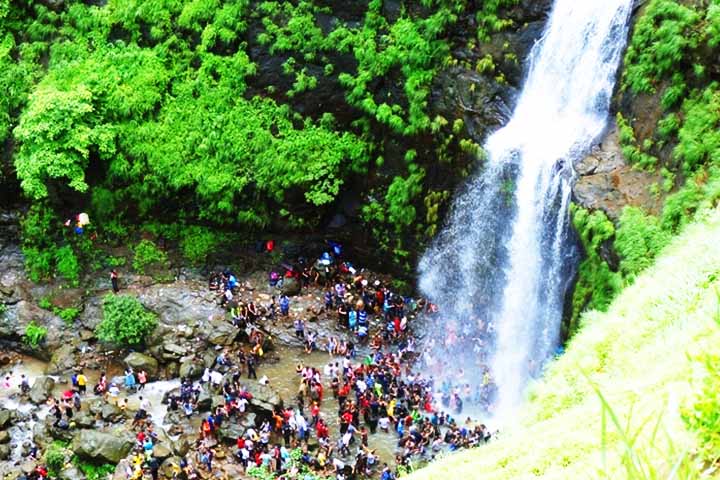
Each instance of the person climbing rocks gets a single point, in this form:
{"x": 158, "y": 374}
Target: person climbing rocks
{"x": 114, "y": 281}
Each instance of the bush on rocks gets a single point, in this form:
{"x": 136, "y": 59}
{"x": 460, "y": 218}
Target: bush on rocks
{"x": 125, "y": 320}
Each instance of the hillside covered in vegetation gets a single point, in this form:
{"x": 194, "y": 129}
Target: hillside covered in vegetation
{"x": 636, "y": 393}
{"x": 250, "y": 116}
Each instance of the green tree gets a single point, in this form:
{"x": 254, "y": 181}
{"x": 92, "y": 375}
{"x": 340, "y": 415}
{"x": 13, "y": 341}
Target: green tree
{"x": 125, "y": 320}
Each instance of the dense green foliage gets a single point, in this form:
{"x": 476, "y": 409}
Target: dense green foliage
{"x": 609, "y": 407}
{"x": 55, "y": 457}
{"x": 93, "y": 471}
{"x": 597, "y": 284}
{"x": 146, "y": 253}
{"x": 672, "y": 55}
{"x": 125, "y": 320}
{"x": 671, "y": 68}
{"x": 204, "y": 113}
{"x": 34, "y": 334}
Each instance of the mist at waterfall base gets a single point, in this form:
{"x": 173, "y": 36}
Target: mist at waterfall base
{"x": 501, "y": 270}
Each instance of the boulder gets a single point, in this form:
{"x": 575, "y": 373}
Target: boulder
{"x": 41, "y": 389}
{"x": 168, "y": 467}
{"x": 111, "y": 413}
{"x": 221, "y": 332}
{"x": 264, "y": 398}
{"x": 139, "y": 361}
{"x": 4, "y": 452}
{"x": 84, "y": 419}
{"x": 120, "y": 470}
{"x": 181, "y": 446}
{"x": 100, "y": 446}
{"x": 6, "y": 418}
{"x": 62, "y": 359}
{"x": 174, "y": 351}
{"x": 291, "y": 286}
{"x": 204, "y": 401}
{"x": 4, "y": 436}
{"x": 162, "y": 451}
{"x": 71, "y": 472}
{"x": 179, "y": 303}
{"x": 191, "y": 368}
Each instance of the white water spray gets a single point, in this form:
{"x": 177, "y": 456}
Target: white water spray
{"x": 502, "y": 268}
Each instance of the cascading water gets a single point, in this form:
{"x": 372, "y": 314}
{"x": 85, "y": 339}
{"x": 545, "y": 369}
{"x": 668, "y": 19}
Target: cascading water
{"x": 500, "y": 271}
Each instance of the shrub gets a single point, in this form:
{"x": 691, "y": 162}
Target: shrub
{"x": 125, "y": 320}
{"x": 597, "y": 284}
{"x": 639, "y": 239}
{"x": 45, "y": 303}
{"x": 34, "y": 334}
{"x": 68, "y": 314}
{"x": 146, "y": 254}
{"x": 55, "y": 458}
{"x": 38, "y": 263}
{"x": 3, "y": 309}
{"x": 68, "y": 266}
{"x": 93, "y": 471}
{"x": 197, "y": 243}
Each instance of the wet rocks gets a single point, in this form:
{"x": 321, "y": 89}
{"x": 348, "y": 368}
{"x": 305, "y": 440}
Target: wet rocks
{"x": 4, "y": 452}
{"x": 139, "y": 361}
{"x": 608, "y": 183}
{"x": 101, "y": 446}
{"x": 264, "y": 398}
{"x": 291, "y": 286}
{"x": 191, "y": 368}
{"x": 62, "y": 360}
{"x": 41, "y": 389}
{"x": 220, "y": 332}
{"x": 179, "y": 303}
{"x": 7, "y": 417}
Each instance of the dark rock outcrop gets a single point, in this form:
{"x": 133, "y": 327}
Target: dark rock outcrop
{"x": 100, "y": 446}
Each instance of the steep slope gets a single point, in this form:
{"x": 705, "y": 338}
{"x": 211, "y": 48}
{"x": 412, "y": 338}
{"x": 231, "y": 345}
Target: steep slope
{"x": 639, "y": 355}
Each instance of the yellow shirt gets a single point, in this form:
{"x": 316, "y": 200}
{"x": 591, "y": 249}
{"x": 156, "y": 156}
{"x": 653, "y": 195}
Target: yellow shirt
{"x": 81, "y": 380}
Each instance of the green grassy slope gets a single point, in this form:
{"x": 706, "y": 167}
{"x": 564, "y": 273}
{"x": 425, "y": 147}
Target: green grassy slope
{"x": 640, "y": 357}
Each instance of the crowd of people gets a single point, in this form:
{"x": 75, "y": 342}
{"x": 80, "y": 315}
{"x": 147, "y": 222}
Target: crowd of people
{"x": 370, "y": 376}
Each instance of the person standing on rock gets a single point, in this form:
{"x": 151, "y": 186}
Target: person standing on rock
{"x": 299, "y": 328}
{"x": 81, "y": 383}
{"x": 142, "y": 379}
{"x": 284, "y": 305}
{"x": 250, "y": 362}
{"x": 114, "y": 280}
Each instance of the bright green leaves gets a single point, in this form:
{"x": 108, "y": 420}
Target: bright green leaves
{"x": 640, "y": 238}
{"x": 597, "y": 284}
{"x": 77, "y": 109}
{"x": 227, "y": 152}
{"x": 125, "y": 321}
{"x": 399, "y": 199}
{"x": 663, "y": 35}
{"x": 699, "y": 136}
{"x": 55, "y": 135}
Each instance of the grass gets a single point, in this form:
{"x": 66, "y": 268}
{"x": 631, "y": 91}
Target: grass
{"x": 610, "y": 407}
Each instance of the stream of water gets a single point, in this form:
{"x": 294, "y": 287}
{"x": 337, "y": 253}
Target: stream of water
{"x": 502, "y": 269}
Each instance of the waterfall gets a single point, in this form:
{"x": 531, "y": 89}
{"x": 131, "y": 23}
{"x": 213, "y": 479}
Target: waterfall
{"x": 501, "y": 269}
